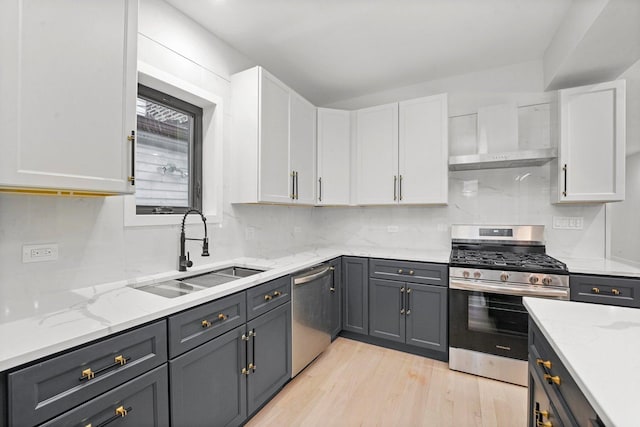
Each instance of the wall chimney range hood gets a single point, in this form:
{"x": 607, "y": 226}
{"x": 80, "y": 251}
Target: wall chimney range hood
{"x": 512, "y": 159}
{"x": 497, "y": 143}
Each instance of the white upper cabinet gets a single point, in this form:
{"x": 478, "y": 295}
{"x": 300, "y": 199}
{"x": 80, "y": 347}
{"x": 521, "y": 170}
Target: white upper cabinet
{"x": 273, "y": 141}
{"x": 423, "y": 172}
{"x": 68, "y": 85}
{"x": 591, "y": 154}
{"x": 334, "y": 164}
{"x": 403, "y": 152}
{"x": 377, "y": 153}
{"x": 302, "y": 148}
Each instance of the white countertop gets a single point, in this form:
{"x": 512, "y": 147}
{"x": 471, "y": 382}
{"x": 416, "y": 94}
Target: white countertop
{"x": 600, "y": 346}
{"x": 62, "y": 320}
{"x": 602, "y": 266}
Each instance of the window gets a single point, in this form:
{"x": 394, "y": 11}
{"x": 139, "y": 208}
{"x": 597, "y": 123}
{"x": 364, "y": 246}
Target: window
{"x": 168, "y": 154}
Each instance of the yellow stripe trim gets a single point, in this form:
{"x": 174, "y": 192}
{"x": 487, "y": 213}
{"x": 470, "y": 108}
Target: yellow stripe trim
{"x": 55, "y": 192}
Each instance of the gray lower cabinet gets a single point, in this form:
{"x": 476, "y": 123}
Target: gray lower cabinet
{"x": 225, "y": 380}
{"x": 386, "y": 309}
{"x": 47, "y": 389}
{"x": 207, "y": 384}
{"x": 269, "y": 355}
{"x": 142, "y": 402}
{"x": 335, "y": 304}
{"x": 554, "y": 396}
{"x": 410, "y": 313}
{"x": 426, "y": 316}
{"x": 355, "y": 304}
{"x": 620, "y": 291}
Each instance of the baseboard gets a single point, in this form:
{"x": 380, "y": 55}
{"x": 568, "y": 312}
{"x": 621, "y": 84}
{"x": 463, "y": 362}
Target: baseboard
{"x": 442, "y": 356}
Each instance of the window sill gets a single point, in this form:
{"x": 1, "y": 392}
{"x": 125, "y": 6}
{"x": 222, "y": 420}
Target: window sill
{"x": 133, "y": 220}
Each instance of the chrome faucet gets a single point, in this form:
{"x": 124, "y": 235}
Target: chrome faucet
{"x": 184, "y": 261}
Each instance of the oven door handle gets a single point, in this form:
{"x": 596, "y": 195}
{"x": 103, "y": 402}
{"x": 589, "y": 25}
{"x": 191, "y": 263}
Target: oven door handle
{"x": 509, "y": 290}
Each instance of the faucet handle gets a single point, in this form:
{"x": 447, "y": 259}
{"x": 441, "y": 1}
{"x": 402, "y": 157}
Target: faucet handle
{"x": 189, "y": 262}
{"x": 205, "y": 246}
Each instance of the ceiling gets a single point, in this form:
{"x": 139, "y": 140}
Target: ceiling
{"x": 331, "y": 50}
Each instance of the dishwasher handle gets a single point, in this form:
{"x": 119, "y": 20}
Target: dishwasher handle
{"x": 301, "y": 280}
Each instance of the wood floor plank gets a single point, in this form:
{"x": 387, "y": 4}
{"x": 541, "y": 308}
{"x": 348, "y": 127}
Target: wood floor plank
{"x": 357, "y": 384}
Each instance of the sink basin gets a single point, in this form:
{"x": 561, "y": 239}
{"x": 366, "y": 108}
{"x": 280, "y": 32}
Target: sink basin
{"x": 178, "y": 287}
{"x": 237, "y": 271}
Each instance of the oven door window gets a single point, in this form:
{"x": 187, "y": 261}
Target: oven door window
{"x": 488, "y": 323}
{"x": 494, "y": 313}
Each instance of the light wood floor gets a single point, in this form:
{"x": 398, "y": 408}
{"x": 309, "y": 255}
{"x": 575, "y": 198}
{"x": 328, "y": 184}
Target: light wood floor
{"x": 357, "y": 384}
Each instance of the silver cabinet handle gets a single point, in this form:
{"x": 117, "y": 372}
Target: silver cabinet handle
{"x": 395, "y": 184}
{"x": 400, "y": 185}
{"x": 564, "y": 171}
{"x": 297, "y": 186}
{"x": 402, "y": 300}
{"x": 320, "y": 189}
{"x": 132, "y": 139}
{"x": 408, "y": 301}
{"x": 293, "y": 184}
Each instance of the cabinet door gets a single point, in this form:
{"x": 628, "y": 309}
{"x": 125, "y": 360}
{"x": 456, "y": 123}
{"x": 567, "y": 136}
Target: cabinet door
{"x": 302, "y": 149}
{"x": 423, "y": 151}
{"x": 269, "y": 355}
{"x": 541, "y": 409}
{"x": 427, "y": 316}
{"x": 207, "y": 386}
{"x": 275, "y": 182}
{"x": 68, "y": 87}
{"x": 592, "y": 143}
{"x": 334, "y": 156}
{"x": 145, "y": 400}
{"x": 335, "y": 295}
{"x": 355, "y": 307}
{"x": 387, "y": 309}
{"x": 377, "y": 148}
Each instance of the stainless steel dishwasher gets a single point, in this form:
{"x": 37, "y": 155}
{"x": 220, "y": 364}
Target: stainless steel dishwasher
{"x": 311, "y": 323}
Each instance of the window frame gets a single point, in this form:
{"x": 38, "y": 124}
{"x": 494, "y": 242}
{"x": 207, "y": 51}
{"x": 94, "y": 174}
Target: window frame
{"x": 195, "y": 151}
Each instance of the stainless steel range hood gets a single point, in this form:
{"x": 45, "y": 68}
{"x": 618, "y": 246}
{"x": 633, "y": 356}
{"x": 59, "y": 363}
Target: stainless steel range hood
{"x": 513, "y": 159}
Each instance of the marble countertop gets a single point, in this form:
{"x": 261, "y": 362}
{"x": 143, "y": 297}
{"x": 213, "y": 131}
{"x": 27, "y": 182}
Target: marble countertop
{"x": 599, "y": 345}
{"x": 39, "y": 326}
{"x": 602, "y": 266}
{"x": 65, "y": 319}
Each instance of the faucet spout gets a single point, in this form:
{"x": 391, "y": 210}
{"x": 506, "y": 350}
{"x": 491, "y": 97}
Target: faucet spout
{"x": 183, "y": 260}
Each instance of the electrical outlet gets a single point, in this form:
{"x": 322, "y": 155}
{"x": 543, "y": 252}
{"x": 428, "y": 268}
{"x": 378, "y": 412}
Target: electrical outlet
{"x": 392, "y": 229}
{"x": 40, "y": 253}
{"x": 568, "y": 222}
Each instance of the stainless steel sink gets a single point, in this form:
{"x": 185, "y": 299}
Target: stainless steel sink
{"x": 178, "y": 287}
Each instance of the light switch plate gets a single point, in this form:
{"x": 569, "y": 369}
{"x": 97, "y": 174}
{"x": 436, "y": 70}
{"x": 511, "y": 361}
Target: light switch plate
{"x": 40, "y": 253}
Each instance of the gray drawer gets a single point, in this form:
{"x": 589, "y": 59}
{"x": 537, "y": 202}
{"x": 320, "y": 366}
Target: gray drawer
{"x": 619, "y": 291}
{"x": 263, "y": 298}
{"x": 49, "y": 388}
{"x": 409, "y": 271}
{"x": 198, "y": 325}
{"x": 145, "y": 400}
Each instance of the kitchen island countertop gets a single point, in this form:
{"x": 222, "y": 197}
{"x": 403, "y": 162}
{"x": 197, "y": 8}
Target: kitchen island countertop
{"x": 599, "y": 345}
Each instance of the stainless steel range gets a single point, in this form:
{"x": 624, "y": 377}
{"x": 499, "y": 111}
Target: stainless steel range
{"x": 491, "y": 269}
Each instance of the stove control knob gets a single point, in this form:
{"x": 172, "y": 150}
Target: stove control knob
{"x": 476, "y": 274}
{"x": 546, "y": 280}
{"x": 534, "y": 280}
{"x": 504, "y": 277}
{"x": 465, "y": 274}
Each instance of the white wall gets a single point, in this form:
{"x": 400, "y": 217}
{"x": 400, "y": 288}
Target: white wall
{"x": 96, "y": 247}
{"x": 624, "y": 217}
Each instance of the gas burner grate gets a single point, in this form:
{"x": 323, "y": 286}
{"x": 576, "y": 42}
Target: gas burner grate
{"x": 506, "y": 260}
